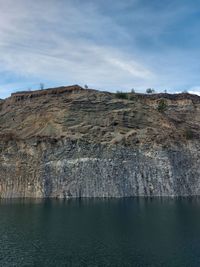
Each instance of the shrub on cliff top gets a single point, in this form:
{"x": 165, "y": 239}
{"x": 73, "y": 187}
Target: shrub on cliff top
{"x": 41, "y": 86}
{"x": 150, "y": 91}
{"x": 122, "y": 95}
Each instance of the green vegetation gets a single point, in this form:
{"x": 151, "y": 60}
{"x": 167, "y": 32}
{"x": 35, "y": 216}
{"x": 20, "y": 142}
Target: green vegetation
{"x": 162, "y": 105}
{"x": 150, "y": 91}
{"x": 41, "y": 86}
{"x": 188, "y": 134}
{"x": 122, "y": 95}
{"x": 126, "y": 95}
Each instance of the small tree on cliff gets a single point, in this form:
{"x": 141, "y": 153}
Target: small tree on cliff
{"x": 150, "y": 91}
{"x": 41, "y": 86}
{"x": 162, "y": 105}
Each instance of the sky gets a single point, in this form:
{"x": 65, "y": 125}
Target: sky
{"x": 107, "y": 44}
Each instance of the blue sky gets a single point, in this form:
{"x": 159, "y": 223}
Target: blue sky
{"x": 106, "y": 44}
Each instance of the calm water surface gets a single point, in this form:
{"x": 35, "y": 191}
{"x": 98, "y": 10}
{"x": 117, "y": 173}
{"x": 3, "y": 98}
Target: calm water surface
{"x": 120, "y": 232}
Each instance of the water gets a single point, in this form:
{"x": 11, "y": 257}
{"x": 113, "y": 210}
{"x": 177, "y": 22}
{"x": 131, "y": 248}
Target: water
{"x": 119, "y": 232}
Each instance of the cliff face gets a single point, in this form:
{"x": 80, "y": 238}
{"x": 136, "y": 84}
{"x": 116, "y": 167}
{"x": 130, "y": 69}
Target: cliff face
{"x": 73, "y": 142}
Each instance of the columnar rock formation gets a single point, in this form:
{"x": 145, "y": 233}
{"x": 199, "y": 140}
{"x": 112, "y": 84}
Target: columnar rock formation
{"x": 74, "y": 142}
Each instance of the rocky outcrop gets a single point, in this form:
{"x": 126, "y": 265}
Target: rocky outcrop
{"x": 73, "y": 142}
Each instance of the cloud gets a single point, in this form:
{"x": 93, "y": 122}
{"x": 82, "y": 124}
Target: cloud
{"x": 194, "y": 90}
{"x": 57, "y": 41}
{"x": 120, "y": 46}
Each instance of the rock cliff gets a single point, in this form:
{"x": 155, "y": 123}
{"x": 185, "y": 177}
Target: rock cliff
{"x": 74, "y": 142}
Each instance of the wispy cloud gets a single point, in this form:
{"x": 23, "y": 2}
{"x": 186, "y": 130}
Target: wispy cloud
{"x": 65, "y": 42}
{"x": 195, "y": 90}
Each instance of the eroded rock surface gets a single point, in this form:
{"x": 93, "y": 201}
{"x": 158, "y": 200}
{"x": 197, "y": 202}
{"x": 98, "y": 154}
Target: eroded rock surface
{"x": 75, "y": 142}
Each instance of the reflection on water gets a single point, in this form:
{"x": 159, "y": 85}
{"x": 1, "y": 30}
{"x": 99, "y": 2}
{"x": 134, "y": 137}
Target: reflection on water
{"x": 100, "y": 232}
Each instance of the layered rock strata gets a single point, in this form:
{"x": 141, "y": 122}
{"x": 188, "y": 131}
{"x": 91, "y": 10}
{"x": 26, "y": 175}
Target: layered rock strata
{"x": 74, "y": 142}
